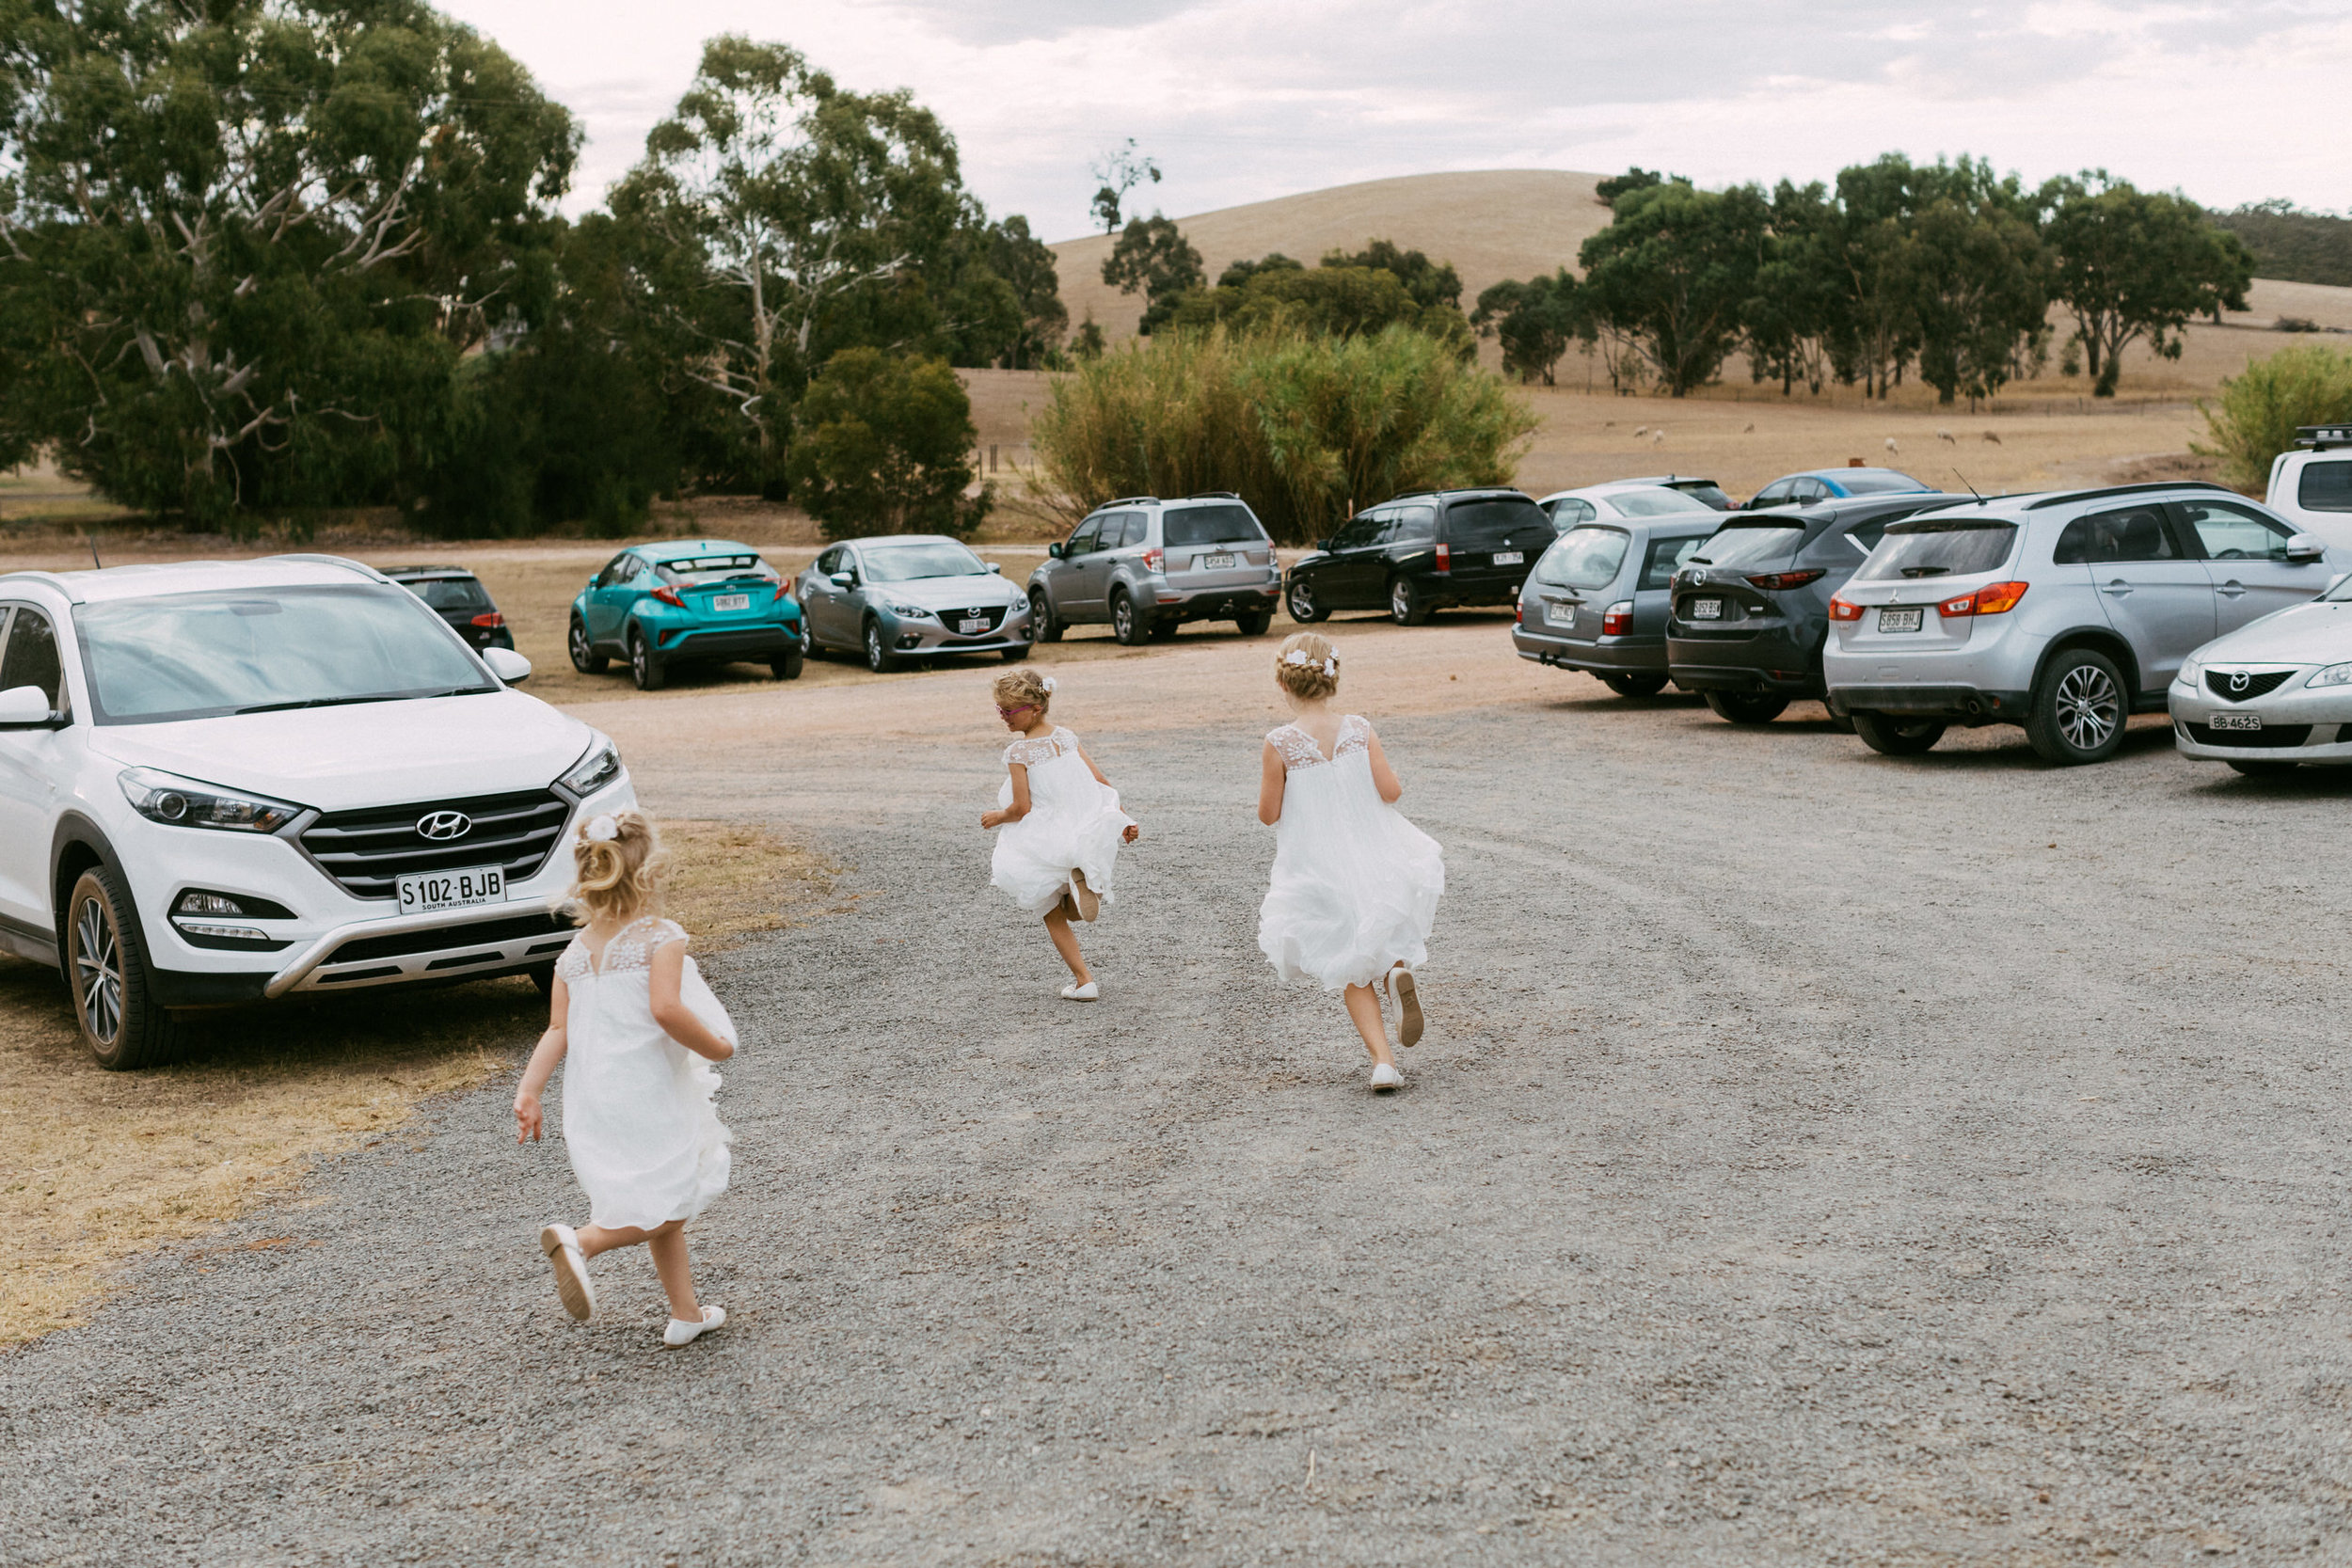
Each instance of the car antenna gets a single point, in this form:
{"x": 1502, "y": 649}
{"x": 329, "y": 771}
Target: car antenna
{"x": 1971, "y": 489}
{"x": 95, "y": 563}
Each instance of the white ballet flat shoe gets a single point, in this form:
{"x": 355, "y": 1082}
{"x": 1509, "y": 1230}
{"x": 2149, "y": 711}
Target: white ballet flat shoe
{"x": 561, "y": 1243}
{"x": 1386, "y": 1078}
{"x": 1088, "y": 993}
{"x": 681, "y": 1332}
{"x": 1408, "y": 1018}
{"x": 1088, "y": 902}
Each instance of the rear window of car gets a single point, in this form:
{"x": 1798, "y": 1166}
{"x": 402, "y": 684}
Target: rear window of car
{"x": 1706, "y": 492}
{"x": 1209, "y": 525}
{"x": 709, "y": 568}
{"x": 1931, "y": 549}
{"x": 1740, "y": 544}
{"x": 1585, "y": 558}
{"x": 2324, "y": 487}
{"x": 1475, "y": 525}
{"x": 1667, "y": 556}
{"x": 1657, "y": 503}
{"x": 450, "y": 592}
{"x": 1878, "y": 484}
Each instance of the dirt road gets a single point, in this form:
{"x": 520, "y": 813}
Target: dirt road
{"x": 1817, "y": 1158}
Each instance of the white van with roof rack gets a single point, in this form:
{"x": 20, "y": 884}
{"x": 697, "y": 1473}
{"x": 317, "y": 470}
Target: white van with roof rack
{"x": 2312, "y": 485}
{"x": 225, "y": 782}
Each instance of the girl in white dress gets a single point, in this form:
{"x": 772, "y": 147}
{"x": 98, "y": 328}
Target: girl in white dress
{"x": 1356, "y": 886}
{"x": 636, "y": 1030}
{"x": 1061, "y": 821}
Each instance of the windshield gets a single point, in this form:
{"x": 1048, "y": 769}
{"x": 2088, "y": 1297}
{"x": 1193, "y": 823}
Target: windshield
{"x": 1744, "y": 543}
{"x": 450, "y": 592}
{"x": 906, "y": 563}
{"x": 1477, "y": 525}
{"x": 1210, "y": 525}
{"x": 1879, "y": 483}
{"x": 198, "y": 655}
{"x": 1656, "y": 503}
{"x": 1938, "y": 549}
{"x": 1583, "y": 558}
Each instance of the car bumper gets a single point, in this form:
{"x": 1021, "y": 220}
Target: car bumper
{"x": 727, "y": 642}
{"x": 910, "y": 637}
{"x": 2297, "y": 725}
{"x": 1963, "y": 703}
{"x": 1220, "y": 603}
{"x": 1608, "y": 656}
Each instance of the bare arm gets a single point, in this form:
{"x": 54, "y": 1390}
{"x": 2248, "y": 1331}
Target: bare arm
{"x": 1272, "y": 776}
{"x": 1020, "y": 807}
{"x": 529, "y": 1122}
{"x": 1133, "y": 832}
{"x": 1384, "y": 777}
{"x": 670, "y": 1010}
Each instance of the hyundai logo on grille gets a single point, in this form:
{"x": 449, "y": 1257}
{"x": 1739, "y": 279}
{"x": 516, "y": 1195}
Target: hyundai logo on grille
{"x": 2238, "y": 679}
{"x": 444, "y": 825}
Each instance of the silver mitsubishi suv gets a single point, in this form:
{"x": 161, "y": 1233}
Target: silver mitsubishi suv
{"x": 1146, "y": 565}
{"x": 2064, "y": 612}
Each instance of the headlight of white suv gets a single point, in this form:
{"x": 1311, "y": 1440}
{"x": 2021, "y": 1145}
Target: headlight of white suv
{"x": 184, "y": 803}
{"x": 599, "y": 768}
{"x": 2334, "y": 674}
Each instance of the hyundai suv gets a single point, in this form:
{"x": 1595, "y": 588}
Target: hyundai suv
{"x": 2065, "y": 613}
{"x": 225, "y": 782}
{"x": 1146, "y": 565}
{"x": 1423, "y": 552}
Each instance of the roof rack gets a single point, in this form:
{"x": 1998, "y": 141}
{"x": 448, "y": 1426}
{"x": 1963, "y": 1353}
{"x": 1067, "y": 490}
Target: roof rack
{"x": 2061, "y": 498}
{"x": 2320, "y": 437}
{"x": 1132, "y": 501}
{"x": 1214, "y": 496}
{"x": 389, "y": 570}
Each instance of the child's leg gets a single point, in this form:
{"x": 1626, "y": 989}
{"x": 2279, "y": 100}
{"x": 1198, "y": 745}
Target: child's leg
{"x": 1363, "y": 1006}
{"x": 604, "y": 1237}
{"x": 1065, "y": 943}
{"x": 668, "y": 1246}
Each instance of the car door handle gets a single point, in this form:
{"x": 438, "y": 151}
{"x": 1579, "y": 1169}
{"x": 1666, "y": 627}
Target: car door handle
{"x": 2119, "y": 587}
{"x": 2231, "y": 588}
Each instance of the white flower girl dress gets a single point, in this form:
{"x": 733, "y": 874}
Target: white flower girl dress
{"x": 1356, "y": 886}
{"x": 638, "y": 1122}
{"x": 1074, "y": 824}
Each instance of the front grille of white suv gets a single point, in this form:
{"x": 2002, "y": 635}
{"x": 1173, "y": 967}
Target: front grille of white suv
{"x": 368, "y": 850}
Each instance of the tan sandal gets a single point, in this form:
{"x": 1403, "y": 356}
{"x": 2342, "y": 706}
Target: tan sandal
{"x": 1408, "y": 1018}
{"x": 1089, "y": 902}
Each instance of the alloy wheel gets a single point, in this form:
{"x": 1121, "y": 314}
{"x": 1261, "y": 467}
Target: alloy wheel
{"x": 2089, "y": 708}
{"x": 1124, "y": 618}
{"x": 98, "y": 972}
{"x": 1302, "y": 604}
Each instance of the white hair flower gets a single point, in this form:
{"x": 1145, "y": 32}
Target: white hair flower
{"x": 1300, "y": 658}
{"x": 1047, "y": 683}
{"x": 601, "y": 829}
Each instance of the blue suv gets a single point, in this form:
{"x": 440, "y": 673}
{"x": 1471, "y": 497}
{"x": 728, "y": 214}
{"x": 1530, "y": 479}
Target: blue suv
{"x": 686, "y": 601}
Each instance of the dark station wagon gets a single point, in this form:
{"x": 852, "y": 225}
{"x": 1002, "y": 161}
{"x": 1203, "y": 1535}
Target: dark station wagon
{"x": 1421, "y": 553}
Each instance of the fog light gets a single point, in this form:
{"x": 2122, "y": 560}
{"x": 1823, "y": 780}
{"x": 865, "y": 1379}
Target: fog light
{"x": 207, "y": 903}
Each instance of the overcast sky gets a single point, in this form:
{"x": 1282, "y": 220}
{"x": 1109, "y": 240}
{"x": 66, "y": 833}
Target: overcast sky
{"x": 1242, "y": 99}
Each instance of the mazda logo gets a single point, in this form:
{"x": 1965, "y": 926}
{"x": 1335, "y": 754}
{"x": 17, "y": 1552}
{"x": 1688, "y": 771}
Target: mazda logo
{"x": 2238, "y": 679}
{"x": 1698, "y": 580}
{"x": 444, "y": 825}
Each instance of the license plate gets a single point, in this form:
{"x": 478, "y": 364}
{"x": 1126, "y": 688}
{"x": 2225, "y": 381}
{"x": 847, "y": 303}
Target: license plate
{"x": 971, "y": 625}
{"x": 1215, "y": 563}
{"x": 1707, "y": 610}
{"x": 2236, "y": 722}
{"x": 1509, "y": 558}
{"x": 1901, "y": 619}
{"x": 451, "y": 890}
{"x": 1558, "y": 614}
{"x": 732, "y": 601}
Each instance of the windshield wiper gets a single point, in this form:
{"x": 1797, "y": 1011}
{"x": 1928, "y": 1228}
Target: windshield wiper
{"x": 375, "y": 697}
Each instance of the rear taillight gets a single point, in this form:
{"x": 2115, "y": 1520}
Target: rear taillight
{"x": 1519, "y": 613}
{"x": 1446, "y": 558}
{"x": 1844, "y": 610}
{"x": 1618, "y": 619}
{"x": 1993, "y": 598}
{"x": 491, "y": 619}
{"x": 1783, "y": 579}
{"x": 669, "y": 595}
{"x": 784, "y": 590}
{"x": 1153, "y": 560}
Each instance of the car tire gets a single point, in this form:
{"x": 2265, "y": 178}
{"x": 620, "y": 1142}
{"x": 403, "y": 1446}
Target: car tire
{"x": 108, "y": 973}
{"x": 1893, "y": 737}
{"x": 1164, "y": 629}
{"x": 1255, "y": 623}
{"x": 1043, "y": 624}
{"x": 1747, "y": 707}
{"x": 1014, "y": 656}
{"x": 584, "y": 655}
{"x": 786, "y": 664}
{"x": 645, "y": 667}
{"x": 543, "y": 977}
{"x": 879, "y": 659}
{"x": 1634, "y": 686}
{"x": 2077, "y": 711}
{"x": 1128, "y": 627}
{"x": 1408, "y": 605}
{"x": 2262, "y": 769}
{"x": 1304, "y": 608}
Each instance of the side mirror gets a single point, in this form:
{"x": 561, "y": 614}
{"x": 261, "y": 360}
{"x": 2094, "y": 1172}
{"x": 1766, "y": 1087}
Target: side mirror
{"x": 1053, "y": 550}
{"x": 843, "y": 579}
{"x": 26, "y": 708}
{"x": 506, "y": 664}
{"x": 2304, "y": 549}
{"x": 1323, "y": 544}
{"x": 995, "y": 566}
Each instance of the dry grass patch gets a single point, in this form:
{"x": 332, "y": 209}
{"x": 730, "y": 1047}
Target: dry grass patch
{"x": 98, "y": 1166}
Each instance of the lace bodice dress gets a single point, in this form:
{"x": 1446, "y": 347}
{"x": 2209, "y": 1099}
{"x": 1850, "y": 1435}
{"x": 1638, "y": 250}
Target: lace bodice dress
{"x": 1074, "y": 823}
{"x": 638, "y": 1122}
{"x": 1354, "y": 887}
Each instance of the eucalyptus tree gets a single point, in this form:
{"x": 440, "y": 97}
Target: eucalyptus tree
{"x": 2135, "y": 264}
{"x": 1674, "y": 272}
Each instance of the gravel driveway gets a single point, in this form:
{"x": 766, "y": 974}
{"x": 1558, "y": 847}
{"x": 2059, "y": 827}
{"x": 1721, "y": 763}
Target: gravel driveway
{"x": 1816, "y": 1158}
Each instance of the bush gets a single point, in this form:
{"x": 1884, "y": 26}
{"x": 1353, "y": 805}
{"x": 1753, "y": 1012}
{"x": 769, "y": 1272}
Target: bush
{"x": 1299, "y": 425}
{"x": 883, "y": 446}
{"x": 2258, "y": 412}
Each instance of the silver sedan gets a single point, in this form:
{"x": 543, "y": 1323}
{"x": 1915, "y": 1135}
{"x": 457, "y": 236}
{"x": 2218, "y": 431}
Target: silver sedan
{"x": 2274, "y": 695}
{"x": 897, "y": 598}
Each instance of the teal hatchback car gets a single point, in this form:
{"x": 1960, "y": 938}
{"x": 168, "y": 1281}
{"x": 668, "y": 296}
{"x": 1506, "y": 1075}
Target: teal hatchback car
{"x": 686, "y": 601}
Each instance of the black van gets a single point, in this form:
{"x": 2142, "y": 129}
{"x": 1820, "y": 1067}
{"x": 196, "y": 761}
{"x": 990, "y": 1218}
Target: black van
{"x": 1421, "y": 552}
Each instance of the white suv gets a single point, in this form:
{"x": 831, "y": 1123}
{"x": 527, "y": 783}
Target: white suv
{"x": 222, "y": 782}
{"x": 2312, "y": 485}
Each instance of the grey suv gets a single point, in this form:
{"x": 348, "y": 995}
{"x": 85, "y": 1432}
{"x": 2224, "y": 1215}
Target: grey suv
{"x": 2064, "y": 613}
{"x": 1146, "y": 565}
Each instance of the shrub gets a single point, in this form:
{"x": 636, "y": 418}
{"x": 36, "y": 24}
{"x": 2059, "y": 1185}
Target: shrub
{"x": 1298, "y": 424}
{"x": 2257, "y": 411}
{"x": 883, "y": 446}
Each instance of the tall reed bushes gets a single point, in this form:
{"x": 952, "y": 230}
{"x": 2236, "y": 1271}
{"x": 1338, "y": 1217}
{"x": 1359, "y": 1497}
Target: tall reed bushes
{"x": 2255, "y": 418}
{"x": 1298, "y": 425}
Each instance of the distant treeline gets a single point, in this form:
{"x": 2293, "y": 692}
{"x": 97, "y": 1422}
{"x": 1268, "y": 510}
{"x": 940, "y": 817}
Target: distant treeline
{"x": 2292, "y": 244}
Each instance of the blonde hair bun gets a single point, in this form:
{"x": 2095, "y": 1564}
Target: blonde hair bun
{"x": 1308, "y": 665}
{"x": 616, "y": 866}
{"x": 1026, "y": 688}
